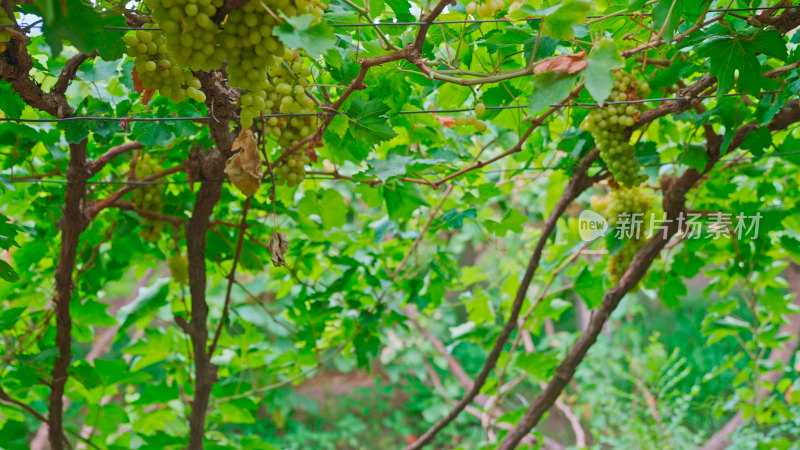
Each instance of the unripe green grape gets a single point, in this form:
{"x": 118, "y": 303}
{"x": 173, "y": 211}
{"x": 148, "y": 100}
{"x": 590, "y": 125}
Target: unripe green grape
{"x": 609, "y": 125}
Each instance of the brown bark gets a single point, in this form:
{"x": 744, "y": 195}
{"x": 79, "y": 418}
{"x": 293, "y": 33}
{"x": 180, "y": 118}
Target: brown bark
{"x": 196, "y": 230}
{"x": 72, "y": 224}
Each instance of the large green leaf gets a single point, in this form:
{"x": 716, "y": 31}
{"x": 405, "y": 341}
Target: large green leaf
{"x": 736, "y": 54}
{"x": 298, "y": 32}
{"x": 368, "y": 121}
{"x": 80, "y": 23}
{"x": 598, "y": 76}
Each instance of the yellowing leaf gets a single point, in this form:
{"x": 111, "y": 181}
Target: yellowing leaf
{"x": 244, "y": 167}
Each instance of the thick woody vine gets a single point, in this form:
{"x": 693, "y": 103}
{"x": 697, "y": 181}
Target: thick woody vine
{"x": 247, "y": 88}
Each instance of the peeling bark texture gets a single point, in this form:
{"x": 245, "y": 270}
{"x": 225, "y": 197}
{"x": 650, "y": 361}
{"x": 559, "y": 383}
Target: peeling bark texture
{"x": 579, "y": 183}
{"x": 675, "y": 190}
{"x": 211, "y": 168}
{"x": 788, "y": 20}
{"x": 72, "y": 224}
{"x": 222, "y": 102}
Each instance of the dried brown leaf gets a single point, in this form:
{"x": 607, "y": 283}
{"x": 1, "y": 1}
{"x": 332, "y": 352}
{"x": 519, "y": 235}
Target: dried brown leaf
{"x": 278, "y": 246}
{"x": 445, "y": 121}
{"x": 570, "y": 64}
{"x": 245, "y": 167}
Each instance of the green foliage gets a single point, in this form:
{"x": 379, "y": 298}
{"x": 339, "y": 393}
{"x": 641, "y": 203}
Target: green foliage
{"x": 397, "y": 208}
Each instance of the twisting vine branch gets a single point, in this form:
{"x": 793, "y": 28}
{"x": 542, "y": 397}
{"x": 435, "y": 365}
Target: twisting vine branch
{"x": 579, "y": 183}
{"x": 72, "y": 224}
{"x": 196, "y": 230}
{"x": 675, "y": 191}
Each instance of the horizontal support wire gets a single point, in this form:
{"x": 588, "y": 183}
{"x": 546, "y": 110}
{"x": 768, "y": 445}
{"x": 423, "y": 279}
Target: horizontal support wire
{"x": 451, "y": 22}
{"x": 324, "y": 176}
{"x": 421, "y": 111}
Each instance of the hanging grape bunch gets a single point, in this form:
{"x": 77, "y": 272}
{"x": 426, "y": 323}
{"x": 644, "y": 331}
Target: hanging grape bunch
{"x": 250, "y": 49}
{"x": 149, "y": 197}
{"x": 156, "y": 70}
{"x": 480, "y": 109}
{"x": 625, "y": 204}
{"x": 609, "y": 124}
{"x": 179, "y": 269}
{"x": 190, "y": 33}
{"x": 293, "y": 171}
{"x": 288, "y": 95}
{"x": 485, "y": 9}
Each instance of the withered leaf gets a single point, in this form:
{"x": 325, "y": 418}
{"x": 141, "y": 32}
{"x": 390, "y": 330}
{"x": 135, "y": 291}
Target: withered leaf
{"x": 244, "y": 167}
{"x": 570, "y": 64}
{"x": 278, "y": 246}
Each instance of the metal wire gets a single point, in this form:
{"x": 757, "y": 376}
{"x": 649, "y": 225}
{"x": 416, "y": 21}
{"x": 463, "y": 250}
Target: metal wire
{"x": 519, "y": 169}
{"x": 450, "y": 22}
{"x": 421, "y": 111}
{"x": 659, "y": 164}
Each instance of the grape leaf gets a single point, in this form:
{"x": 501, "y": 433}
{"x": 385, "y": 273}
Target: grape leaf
{"x": 393, "y": 165}
{"x": 548, "y": 89}
{"x": 368, "y": 121}
{"x": 82, "y": 25}
{"x": 10, "y": 103}
{"x": 558, "y": 24}
{"x": 590, "y": 288}
{"x": 297, "y": 32}
{"x": 454, "y": 218}
{"x": 667, "y": 16}
{"x": 402, "y": 10}
{"x": 603, "y": 59}
{"x": 402, "y": 199}
{"x": 731, "y": 54}
{"x": 7, "y": 272}
{"x": 511, "y": 222}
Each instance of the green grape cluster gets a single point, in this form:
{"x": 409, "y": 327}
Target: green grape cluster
{"x": 293, "y": 171}
{"x": 471, "y": 120}
{"x": 250, "y": 49}
{"x": 5, "y": 36}
{"x": 287, "y": 94}
{"x": 619, "y": 262}
{"x": 273, "y": 78}
{"x": 190, "y": 33}
{"x": 149, "y": 197}
{"x": 625, "y": 200}
{"x": 156, "y": 69}
{"x": 485, "y": 9}
{"x": 608, "y": 125}
{"x": 179, "y": 269}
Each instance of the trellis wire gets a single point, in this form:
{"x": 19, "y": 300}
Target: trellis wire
{"x": 450, "y": 22}
{"x": 421, "y": 111}
{"x": 659, "y": 164}
{"x": 521, "y": 169}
